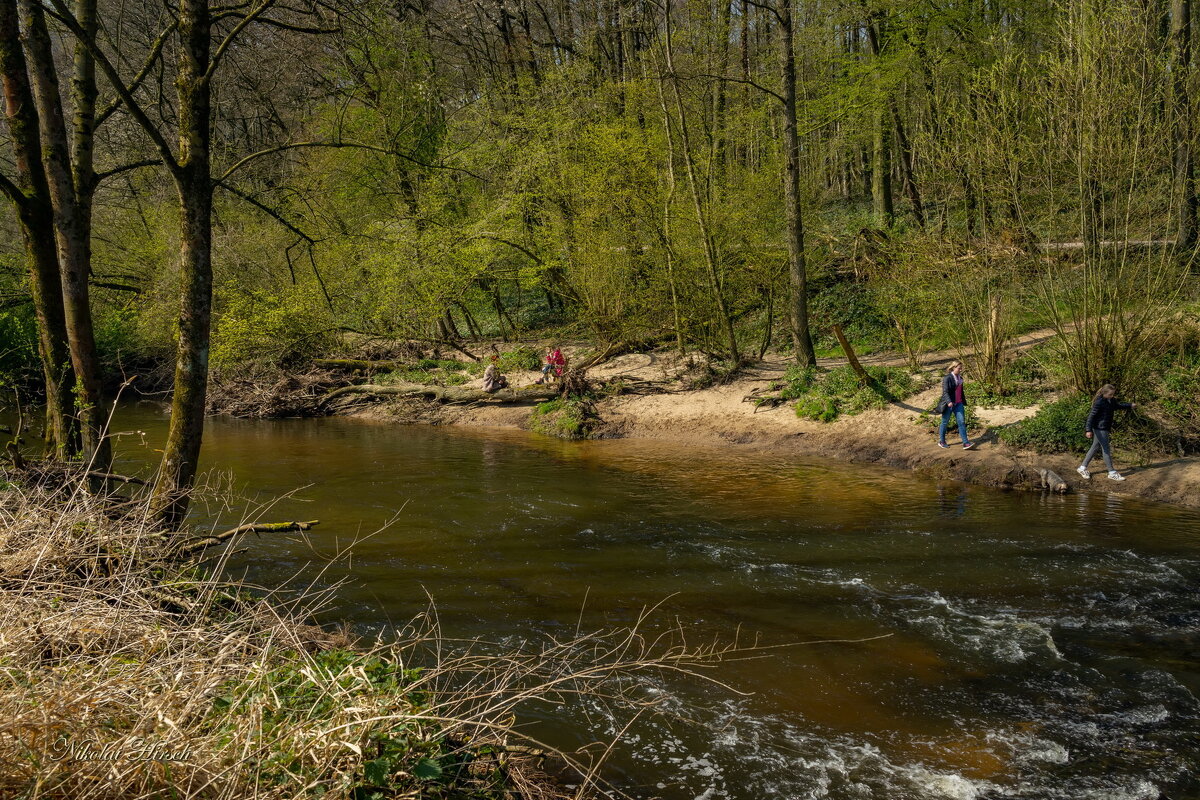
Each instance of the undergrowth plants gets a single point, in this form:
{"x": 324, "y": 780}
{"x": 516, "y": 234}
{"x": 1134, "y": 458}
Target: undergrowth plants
{"x": 565, "y": 418}
{"x": 824, "y": 396}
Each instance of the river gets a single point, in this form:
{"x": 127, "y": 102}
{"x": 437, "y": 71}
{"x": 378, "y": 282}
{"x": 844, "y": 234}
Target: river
{"x": 1034, "y": 646}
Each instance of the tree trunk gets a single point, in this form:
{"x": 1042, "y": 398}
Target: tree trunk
{"x": 881, "y": 173}
{"x": 665, "y": 231}
{"x": 193, "y": 180}
{"x": 1181, "y": 67}
{"x": 35, "y": 213}
{"x": 72, "y": 230}
{"x": 881, "y": 150}
{"x": 904, "y": 150}
{"x": 710, "y": 248}
{"x": 862, "y": 374}
{"x": 797, "y": 268}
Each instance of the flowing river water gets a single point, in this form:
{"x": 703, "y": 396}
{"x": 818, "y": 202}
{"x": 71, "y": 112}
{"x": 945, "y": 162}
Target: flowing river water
{"x": 1036, "y": 646}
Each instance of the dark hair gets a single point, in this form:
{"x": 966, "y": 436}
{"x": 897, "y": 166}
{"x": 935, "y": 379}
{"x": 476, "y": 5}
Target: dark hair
{"x": 1107, "y": 390}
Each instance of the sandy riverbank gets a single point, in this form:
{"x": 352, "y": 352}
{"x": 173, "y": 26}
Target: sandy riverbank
{"x": 659, "y": 408}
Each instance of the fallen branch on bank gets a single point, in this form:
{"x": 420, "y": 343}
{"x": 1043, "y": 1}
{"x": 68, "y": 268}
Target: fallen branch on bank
{"x": 450, "y": 394}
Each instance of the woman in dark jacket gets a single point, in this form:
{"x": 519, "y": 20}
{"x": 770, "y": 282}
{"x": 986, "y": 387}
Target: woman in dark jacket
{"x": 1097, "y": 427}
{"x": 953, "y": 401}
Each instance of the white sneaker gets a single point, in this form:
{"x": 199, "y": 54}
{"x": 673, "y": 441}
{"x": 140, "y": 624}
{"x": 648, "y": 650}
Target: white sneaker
{"x": 1082, "y": 470}
{"x": 1115, "y": 476}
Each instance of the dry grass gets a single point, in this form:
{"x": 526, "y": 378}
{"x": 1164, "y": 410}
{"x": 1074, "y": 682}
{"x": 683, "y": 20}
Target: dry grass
{"x": 125, "y": 673}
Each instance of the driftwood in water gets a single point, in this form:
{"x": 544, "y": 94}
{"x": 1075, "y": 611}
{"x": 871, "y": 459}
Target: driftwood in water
{"x": 451, "y": 394}
{"x": 203, "y": 542}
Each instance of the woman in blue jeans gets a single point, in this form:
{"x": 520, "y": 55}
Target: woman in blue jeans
{"x": 953, "y": 401}
{"x": 1097, "y": 428}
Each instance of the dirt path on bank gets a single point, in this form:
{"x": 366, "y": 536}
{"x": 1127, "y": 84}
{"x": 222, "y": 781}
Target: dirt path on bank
{"x": 656, "y": 406}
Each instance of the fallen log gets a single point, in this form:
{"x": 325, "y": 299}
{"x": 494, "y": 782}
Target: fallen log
{"x": 451, "y": 394}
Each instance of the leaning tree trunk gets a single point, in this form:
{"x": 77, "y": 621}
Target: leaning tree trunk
{"x": 31, "y": 196}
{"x": 193, "y": 180}
{"x": 72, "y": 233}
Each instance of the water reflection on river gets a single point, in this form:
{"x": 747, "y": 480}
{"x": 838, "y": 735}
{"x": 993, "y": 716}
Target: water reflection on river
{"x": 1039, "y": 647}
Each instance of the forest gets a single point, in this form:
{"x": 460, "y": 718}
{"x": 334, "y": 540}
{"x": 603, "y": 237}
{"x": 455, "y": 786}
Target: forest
{"x": 201, "y": 190}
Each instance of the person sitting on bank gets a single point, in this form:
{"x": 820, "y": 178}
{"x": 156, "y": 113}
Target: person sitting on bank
{"x": 1097, "y": 428}
{"x": 555, "y": 364}
{"x": 953, "y": 401}
{"x": 493, "y": 381}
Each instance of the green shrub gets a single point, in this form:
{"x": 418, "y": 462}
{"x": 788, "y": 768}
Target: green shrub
{"x": 18, "y": 344}
{"x": 851, "y": 305}
{"x": 1056, "y": 428}
{"x": 409, "y": 375}
{"x": 565, "y": 418}
{"x": 263, "y": 328}
{"x": 448, "y": 364}
{"x": 796, "y": 381}
{"x": 1021, "y": 383}
{"x": 818, "y": 407}
{"x": 839, "y": 391}
{"x": 1179, "y": 394}
{"x": 1059, "y": 428}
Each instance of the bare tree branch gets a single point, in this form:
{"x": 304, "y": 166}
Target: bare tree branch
{"x": 150, "y": 162}
{"x": 114, "y": 77}
{"x": 360, "y": 145}
{"x": 229, "y": 39}
{"x": 155, "y": 53}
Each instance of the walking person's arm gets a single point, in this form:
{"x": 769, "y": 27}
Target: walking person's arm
{"x": 1093, "y": 415}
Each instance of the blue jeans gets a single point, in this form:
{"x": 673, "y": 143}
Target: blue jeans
{"x": 1100, "y": 442}
{"x": 958, "y": 409}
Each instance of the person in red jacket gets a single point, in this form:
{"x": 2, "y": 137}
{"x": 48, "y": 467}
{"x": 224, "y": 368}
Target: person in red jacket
{"x": 556, "y": 362}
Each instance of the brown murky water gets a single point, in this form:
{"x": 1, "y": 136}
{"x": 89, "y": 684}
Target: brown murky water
{"x": 1038, "y": 647}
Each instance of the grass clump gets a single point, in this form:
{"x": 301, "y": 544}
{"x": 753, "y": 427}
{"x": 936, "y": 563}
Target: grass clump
{"x": 127, "y": 671}
{"x": 839, "y": 392}
{"x": 566, "y": 418}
